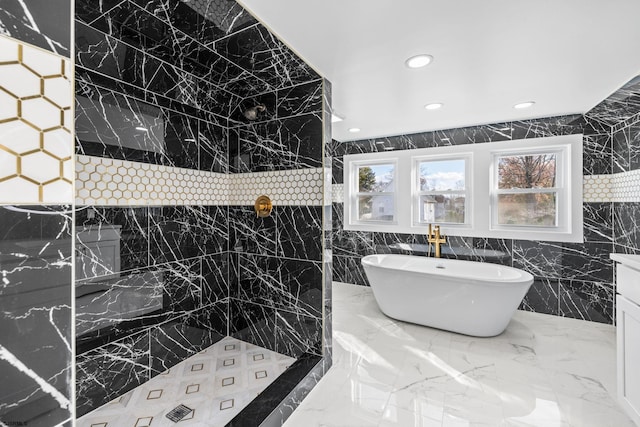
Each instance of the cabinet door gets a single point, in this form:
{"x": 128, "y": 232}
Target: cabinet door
{"x": 628, "y": 331}
{"x": 98, "y": 259}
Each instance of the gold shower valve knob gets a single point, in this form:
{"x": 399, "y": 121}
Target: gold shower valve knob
{"x": 263, "y": 206}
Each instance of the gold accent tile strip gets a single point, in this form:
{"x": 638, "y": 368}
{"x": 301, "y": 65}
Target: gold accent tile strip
{"x": 124, "y": 183}
{"x": 29, "y": 173}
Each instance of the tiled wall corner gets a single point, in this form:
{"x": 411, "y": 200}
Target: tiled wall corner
{"x": 36, "y": 147}
{"x": 626, "y": 186}
{"x": 337, "y": 193}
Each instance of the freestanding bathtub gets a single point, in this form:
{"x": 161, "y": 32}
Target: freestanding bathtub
{"x": 471, "y": 298}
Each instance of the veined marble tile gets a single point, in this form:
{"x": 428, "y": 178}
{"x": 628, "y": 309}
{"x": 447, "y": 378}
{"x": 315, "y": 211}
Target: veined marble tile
{"x": 258, "y": 51}
{"x": 289, "y": 143}
{"x": 35, "y": 318}
{"x": 543, "y": 370}
{"x": 46, "y": 25}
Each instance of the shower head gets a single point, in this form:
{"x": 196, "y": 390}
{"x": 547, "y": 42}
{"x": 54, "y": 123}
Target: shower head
{"x": 252, "y": 113}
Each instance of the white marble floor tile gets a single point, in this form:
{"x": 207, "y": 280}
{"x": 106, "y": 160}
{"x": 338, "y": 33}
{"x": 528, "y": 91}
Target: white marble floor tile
{"x": 543, "y": 371}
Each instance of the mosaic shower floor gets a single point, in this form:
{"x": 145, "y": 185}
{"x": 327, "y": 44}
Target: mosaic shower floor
{"x": 216, "y": 383}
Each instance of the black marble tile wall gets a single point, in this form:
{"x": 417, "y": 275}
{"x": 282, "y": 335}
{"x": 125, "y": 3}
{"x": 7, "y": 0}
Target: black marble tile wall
{"x": 290, "y": 143}
{"x": 254, "y": 323}
{"x": 146, "y": 236}
{"x": 258, "y": 51}
{"x": 626, "y": 148}
{"x": 110, "y": 371}
{"x": 622, "y": 105}
{"x": 117, "y": 126}
{"x": 35, "y": 326}
{"x": 573, "y": 280}
{"x": 542, "y": 297}
{"x": 154, "y": 272}
{"x": 277, "y": 272}
{"x": 626, "y": 158}
{"x": 46, "y": 24}
{"x": 626, "y": 227}
{"x": 593, "y": 301}
{"x": 173, "y": 83}
{"x": 180, "y": 338}
{"x": 183, "y": 232}
{"x": 288, "y": 284}
{"x": 206, "y": 21}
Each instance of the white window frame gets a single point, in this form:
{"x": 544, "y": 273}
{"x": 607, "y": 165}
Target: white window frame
{"x": 562, "y": 198}
{"x": 480, "y": 207}
{"x": 355, "y": 193}
{"x": 417, "y": 192}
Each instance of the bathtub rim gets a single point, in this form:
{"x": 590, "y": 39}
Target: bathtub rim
{"x": 524, "y": 277}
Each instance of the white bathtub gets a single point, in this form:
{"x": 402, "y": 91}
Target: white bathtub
{"x": 471, "y": 298}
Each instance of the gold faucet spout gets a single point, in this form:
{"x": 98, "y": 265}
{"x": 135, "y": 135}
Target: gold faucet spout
{"x": 436, "y": 238}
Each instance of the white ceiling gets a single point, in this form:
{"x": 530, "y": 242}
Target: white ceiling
{"x": 566, "y": 55}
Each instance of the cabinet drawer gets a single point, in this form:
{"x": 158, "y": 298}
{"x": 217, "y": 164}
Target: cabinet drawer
{"x": 628, "y": 283}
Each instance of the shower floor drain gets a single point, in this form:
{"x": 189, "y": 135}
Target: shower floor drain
{"x": 179, "y": 413}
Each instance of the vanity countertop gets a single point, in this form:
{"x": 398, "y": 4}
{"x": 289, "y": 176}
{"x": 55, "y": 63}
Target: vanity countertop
{"x": 632, "y": 261}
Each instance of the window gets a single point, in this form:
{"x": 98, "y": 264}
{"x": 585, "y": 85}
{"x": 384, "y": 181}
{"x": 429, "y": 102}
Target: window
{"x": 442, "y": 195}
{"x": 525, "y": 189}
{"x": 374, "y": 195}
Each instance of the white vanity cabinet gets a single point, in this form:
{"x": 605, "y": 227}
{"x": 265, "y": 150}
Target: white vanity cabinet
{"x": 628, "y": 332}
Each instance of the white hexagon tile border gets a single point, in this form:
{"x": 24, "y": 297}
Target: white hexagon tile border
{"x": 110, "y": 182}
{"x": 36, "y": 145}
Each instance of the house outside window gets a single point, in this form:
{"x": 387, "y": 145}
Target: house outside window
{"x": 374, "y": 198}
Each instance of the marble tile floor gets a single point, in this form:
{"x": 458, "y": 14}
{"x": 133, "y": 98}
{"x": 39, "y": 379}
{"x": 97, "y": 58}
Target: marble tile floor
{"x": 216, "y": 383}
{"x": 542, "y": 371}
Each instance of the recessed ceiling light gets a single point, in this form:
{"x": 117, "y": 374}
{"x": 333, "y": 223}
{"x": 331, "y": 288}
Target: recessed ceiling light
{"x": 418, "y": 61}
{"x": 523, "y": 105}
{"x": 142, "y": 129}
{"x": 354, "y": 130}
{"x": 336, "y": 118}
{"x": 434, "y": 106}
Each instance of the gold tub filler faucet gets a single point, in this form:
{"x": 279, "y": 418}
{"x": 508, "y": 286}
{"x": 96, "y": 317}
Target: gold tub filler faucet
{"x": 434, "y": 237}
